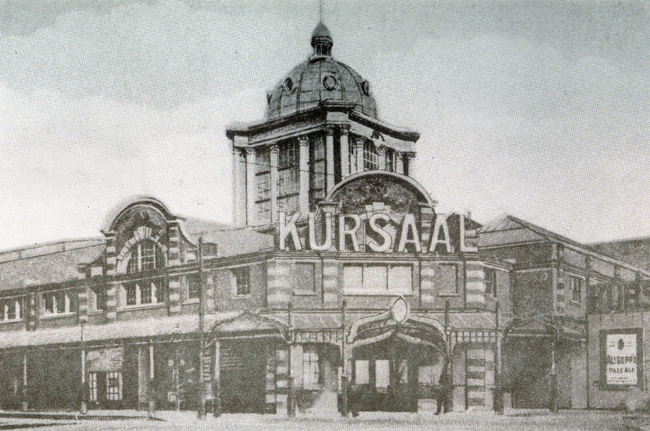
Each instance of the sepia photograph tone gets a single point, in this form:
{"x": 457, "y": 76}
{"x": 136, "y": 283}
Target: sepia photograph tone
{"x": 325, "y": 214}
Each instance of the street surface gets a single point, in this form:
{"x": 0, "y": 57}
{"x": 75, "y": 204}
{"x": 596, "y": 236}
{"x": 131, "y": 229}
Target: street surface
{"x": 471, "y": 421}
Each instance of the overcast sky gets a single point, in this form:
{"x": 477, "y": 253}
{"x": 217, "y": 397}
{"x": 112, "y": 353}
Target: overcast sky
{"x": 539, "y": 109}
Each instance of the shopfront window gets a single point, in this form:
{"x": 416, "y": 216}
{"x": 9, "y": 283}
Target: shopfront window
{"x": 114, "y": 386}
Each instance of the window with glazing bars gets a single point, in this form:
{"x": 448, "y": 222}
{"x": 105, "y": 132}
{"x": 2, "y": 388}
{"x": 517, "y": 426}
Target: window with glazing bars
{"x": 576, "y": 289}
{"x": 370, "y": 156}
{"x": 92, "y": 386}
{"x": 242, "y": 280}
{"x": 114, "y": 386}
{"x": 490, "y": 282}
{"x": 11, "y": 309}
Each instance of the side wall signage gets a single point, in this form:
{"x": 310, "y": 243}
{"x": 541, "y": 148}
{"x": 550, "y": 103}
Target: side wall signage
{"x": 621, "y": 358}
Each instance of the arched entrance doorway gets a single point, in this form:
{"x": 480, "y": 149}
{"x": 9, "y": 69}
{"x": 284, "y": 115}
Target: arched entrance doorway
{"x": 395, "y": 359}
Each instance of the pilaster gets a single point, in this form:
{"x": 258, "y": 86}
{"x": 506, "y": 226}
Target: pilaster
{"x": 250, "y": 186}
{"x": 112, "y": 286}
{"x": 274, "y": 156}
{"x": 303, "y": 143}
{"x": 381, "y": 152}
{"x": 174, "y": 259}
{"x": 358, "y": 142}
{"x": 239, "y": 188}
{"x": 329, "y": 156}
{"x": 345, "y": 151}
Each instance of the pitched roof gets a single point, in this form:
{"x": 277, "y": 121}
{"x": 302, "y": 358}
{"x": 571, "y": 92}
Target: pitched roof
{"x": 635, "y": 251}
{"x": 47, "y": 263}
{"x": 510, "y": 230}
{"x": 230, "y": 240}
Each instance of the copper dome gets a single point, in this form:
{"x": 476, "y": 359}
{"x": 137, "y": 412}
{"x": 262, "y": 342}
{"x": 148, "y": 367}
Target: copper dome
{"x": 320, "y": 79}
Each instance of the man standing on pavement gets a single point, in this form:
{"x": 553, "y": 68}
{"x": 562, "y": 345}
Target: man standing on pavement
{"x": 444, "y": 391}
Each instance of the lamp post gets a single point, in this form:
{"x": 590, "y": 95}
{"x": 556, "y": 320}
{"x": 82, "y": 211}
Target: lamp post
{"x": 83, "y": 409}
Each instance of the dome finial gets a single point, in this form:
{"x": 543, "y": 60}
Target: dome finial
{"x": 321, "y": 40}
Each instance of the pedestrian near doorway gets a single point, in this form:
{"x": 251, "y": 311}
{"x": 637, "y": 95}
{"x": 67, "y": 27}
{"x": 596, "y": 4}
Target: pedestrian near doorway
{"x": 444, "y": 393}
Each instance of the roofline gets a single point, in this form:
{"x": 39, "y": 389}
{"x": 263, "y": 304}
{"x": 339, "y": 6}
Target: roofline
{"x": 98, "y": 239}
{"x": 246, "y": 129}
{"x": 575, "y": 245}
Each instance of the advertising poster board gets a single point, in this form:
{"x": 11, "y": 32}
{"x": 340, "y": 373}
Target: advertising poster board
{"x": 621, "y": 358}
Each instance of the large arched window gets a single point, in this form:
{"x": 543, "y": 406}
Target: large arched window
{"x": 146, "y": 255}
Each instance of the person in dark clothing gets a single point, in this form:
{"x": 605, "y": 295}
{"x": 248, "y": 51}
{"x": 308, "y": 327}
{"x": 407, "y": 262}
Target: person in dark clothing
{"x": 444, "y": 392}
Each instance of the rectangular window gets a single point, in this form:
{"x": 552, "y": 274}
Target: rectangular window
{"x": 59, "y": 302}
{"x": 370, "y": 156}
{"x": 366, "y": 278}
{"x": 317, "y": 171}
{"x": 193, "y": 286}
{"x": 576, "y": 289}
{"x": 145, "y": 292}
{"x": 304, "y": 277}
{"x": 390, "y": 160}
{"x": 242, "y": 280}
{"x": 361, "y": 372}
{"x": 11, "y": 309}
{"x": 131, "y": 293}
{"x": 100, "y": 298}
{"x": 92, "y": 386}
{"x": 114, "y": 386}
{"x": 310, "y": 368}
{"x": 491, "y": 282}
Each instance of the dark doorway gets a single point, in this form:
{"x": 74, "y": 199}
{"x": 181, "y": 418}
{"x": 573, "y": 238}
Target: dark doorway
{"x": 243, "y": 376}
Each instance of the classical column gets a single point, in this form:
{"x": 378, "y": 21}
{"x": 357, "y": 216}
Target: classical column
{"x": 275, "y": 151}
{"x": 345, "y": 151}
{"x": 303, "y": 142}
{"x": 329, "y": 154}
{"x": 381, "y": 153}
{"x": 250, "y": 186}
{"x": 358, "y": 142}
{"x": 409, "y": 168}
{"x": 399, "y": 165}
{"x": 238, "y": 188}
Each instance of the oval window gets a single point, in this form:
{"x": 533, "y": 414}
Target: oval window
{"x": 329, "y": 82}
{"x": 365, "y": 86}
{"x": 288, "y": 85}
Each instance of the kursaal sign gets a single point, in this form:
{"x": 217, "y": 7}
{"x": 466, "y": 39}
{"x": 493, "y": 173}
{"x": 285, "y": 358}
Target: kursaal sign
{"x": 382, "y": 234}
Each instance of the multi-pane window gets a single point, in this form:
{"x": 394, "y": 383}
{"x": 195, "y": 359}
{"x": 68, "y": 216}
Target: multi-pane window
{"x": 59, "y": 302}
{"x": 144, "y": 292}
{"x": 145, "y": 256}
{"x": 352, "y": 158}
{"x": 370, "y": 156}
{"x": 490, "y": 282}
{"x": 317, "y": 171}
{"x": 11, "y": 309}
{"x": 263, "y": 181}
{"x": 575, "y": 284}
{"x": 92, "y": 386}
{"x": 288, "y": 177}
{"x": 310, "y": 368}
{"x": 390, "y": 160}
{"x": 378, "y": 278}
{"x": 114, "y": 386}
{"x": 193, "y": 286}
{"x": 242, "y": 280}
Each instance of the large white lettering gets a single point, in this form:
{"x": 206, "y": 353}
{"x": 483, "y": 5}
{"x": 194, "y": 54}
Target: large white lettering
{"x": 441, "y": 225}
{"x": 388, "y": 240}
{"x": 408, "y": 225}
{"x": 287, "y": 229}
{"x": 327, "y": 243}
{"x": 379, "y": 237}
{"x": 351, "y": 233}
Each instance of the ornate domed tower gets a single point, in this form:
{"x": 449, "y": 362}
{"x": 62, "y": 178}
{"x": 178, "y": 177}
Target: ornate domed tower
{"x": 321, "y": 126}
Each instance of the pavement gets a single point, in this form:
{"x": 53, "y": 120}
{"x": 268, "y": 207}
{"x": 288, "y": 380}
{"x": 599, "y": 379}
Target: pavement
{"x": 512, "y": 420}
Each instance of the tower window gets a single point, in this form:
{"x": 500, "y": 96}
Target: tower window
{"x": 370, "y": 156}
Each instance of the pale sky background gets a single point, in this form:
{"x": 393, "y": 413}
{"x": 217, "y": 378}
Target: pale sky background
{"x": 539, "y": 109}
